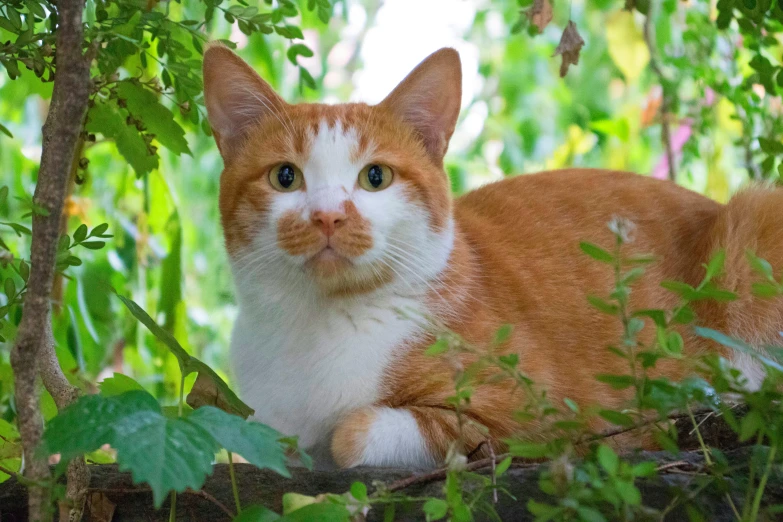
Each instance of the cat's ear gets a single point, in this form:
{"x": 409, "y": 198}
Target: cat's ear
{"x": 429, "y": 99}
{"x": 236, "y": 97}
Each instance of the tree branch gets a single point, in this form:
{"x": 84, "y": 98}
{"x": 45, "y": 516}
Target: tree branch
{"x": 666, "y": 138}
{"x": 60, "y": 135}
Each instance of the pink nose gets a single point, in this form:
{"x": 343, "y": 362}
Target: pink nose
{"x": 328, "y": 221}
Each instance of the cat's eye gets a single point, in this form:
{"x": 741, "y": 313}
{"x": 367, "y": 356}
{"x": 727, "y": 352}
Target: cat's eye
{"x": 375, "y": 177}
{"x": 285, "y": 177}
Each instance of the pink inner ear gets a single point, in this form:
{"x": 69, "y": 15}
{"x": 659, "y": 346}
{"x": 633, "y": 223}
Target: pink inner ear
{"x": 236, "y": 97}
{"x": 429, "y": 100}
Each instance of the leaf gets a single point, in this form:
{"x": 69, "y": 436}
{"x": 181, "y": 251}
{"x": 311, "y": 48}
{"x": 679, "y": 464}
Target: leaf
{"x": 436, "y": 508}
{"x": 540, "y": 14}
{"x": 438, "y": 347}
{"x": 81, "y": 233}
{"x": 168, "y": 454}
{"x": 502, "y": 466}
{"x": 618, "y": 382}
{"x": 321, "y": 512}
{"x": 627, "y": 47}
{"x": 359, "y": 491}
{"x": 105, "y": 118}
{"x": 256, "y": 514}
{"x": 529, "y": 450}
{"x": 212, "y": 390}
{"x": 118, "y": 384}
{"x": 171, "y": 274}
{"x": 159, "y": 120}
{"x": 608, "y": 459}
{"x": 603, "y": 306}
{"x": 596, "y": 252}
{"x": 616, "y": 417}
{"x": 257, "y": 443}
{"x": 5, "y": 131}
{"x": 93, "y": 245}
{"x": 570, "y": 46}
{"x": 298, "y": 50}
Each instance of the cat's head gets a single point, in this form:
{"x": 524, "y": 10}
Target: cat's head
{"x": 350, "y": 197}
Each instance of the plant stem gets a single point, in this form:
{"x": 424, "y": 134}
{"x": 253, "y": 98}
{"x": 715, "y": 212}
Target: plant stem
{"x": 234, "y": 487}
{"x": 702, "y": 445}
{"x": 173, "y": 510}
{"x": 754, "y": 514}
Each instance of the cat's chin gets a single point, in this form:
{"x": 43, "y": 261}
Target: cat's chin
{"x": 328, "y": 264}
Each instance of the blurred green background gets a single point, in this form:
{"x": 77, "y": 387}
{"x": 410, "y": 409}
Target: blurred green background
{"x": 519, "y": 116}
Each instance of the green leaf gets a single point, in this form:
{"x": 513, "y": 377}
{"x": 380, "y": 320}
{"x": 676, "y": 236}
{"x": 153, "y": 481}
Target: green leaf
{"x": 645, "y": 469}
{"x": 588, "y": 514}
{"x": 618, "y": 382}
{"x": 760, "y": 265}
{"x": 750, "y": 425}
{"x": 168, "y": 454}
{"x": 359, "y": 491}
{"x": 608, "y": 459}
{"x": 225, "y": 399}
{"x": 93, "y": 245}
{"x": 323, "y": 511}
{"x": 616, "y": 417}
{"x": 106, "y": 119}
{"x": 438, "y": 347}
{"x": 256, "y": 514}
{"x": 529, "y": 450}
{"x": 171, "y": 274}
{"x": 596, "y": 252}
{"x": 715, "y": 266}
{"x": 5, "y": 131}
{"x": 769, "y": 146}
{"x": 81, "y": 233}
{"x": 502, "y": 466}
{"x": 436, "y": 508}
{"x": 298, "y": 50}
{"x": 10, "y": 289}
{"x": 257, "y": 443}
{"x": 603, "y": 306}
{"x": 118, "y": 384}
{"x": 159, "y": 120}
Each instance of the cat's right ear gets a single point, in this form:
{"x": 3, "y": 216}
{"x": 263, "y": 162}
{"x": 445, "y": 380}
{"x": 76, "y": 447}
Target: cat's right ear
{"x": 236, "y": 97}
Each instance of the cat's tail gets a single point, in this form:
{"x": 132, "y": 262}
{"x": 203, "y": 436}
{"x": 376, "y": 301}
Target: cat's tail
{"x": 751, "y": 222}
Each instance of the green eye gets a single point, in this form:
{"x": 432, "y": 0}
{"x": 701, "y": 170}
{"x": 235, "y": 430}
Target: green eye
{"x": 285, "y": 177}
{"x": 375, "y": 177}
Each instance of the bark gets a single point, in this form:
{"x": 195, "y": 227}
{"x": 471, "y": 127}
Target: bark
{"x": 33, "y": 349}
{"x": 675, "y": 485}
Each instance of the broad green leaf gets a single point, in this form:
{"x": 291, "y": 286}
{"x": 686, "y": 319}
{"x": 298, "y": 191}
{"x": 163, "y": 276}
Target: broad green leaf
{"x": 168, "y": 454}
{"x": 502, "y": 466}
{"x": 618, "y": 382}
{"x": 118, "y": 384}
{"x": 438, "y": 347}
{"x": 259, "y": 444}
{"x": 359, "y": 491}
{"x": 159, "y": 120}
{"x": 106, "y": 119}
{"x": 221, "y": 395}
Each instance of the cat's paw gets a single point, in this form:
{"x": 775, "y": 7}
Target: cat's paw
{"x": 380, "y": 436}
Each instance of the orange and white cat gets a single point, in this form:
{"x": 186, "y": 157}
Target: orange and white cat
{"x": 337, "y": 217}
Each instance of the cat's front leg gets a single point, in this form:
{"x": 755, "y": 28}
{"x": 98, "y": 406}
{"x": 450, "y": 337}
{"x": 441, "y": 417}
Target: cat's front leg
{"x": 409, "y": 437}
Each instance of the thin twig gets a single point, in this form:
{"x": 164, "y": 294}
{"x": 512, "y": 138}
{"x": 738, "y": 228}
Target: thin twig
{"x": 649, "y": 38}
{"x": 198, "y": 493}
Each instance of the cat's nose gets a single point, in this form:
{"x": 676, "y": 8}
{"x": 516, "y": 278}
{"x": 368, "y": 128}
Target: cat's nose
{"x": 328, "y": 221}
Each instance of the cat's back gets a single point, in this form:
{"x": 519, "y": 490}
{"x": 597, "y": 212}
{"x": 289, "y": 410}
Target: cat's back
{"x": 565, "y": 207}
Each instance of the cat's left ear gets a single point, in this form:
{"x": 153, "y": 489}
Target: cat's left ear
{"x": 429, "y": 100}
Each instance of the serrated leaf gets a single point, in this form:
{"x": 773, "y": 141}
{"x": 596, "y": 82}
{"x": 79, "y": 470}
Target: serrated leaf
{"x": 257, "y": 443}
{"x": 159, "y": 120}
{"x": 168, "y": 454}
{"x": 222, "y": 395}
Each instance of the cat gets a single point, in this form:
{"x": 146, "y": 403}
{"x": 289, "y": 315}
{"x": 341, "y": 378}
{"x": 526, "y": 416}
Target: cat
{"x": 343, "y": 237}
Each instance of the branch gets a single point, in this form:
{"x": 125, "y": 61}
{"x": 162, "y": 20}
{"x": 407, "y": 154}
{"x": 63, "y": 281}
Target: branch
{"x": 60, "y": 135}
{"x": 666, "y": 138}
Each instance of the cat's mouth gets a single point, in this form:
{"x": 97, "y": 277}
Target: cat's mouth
{"x": 328, "y": 263}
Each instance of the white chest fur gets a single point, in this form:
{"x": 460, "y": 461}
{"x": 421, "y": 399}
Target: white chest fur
{"x": 301, "y": 368}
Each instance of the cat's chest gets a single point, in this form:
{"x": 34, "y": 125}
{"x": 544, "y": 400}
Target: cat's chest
{"x": 301, "y": 371}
